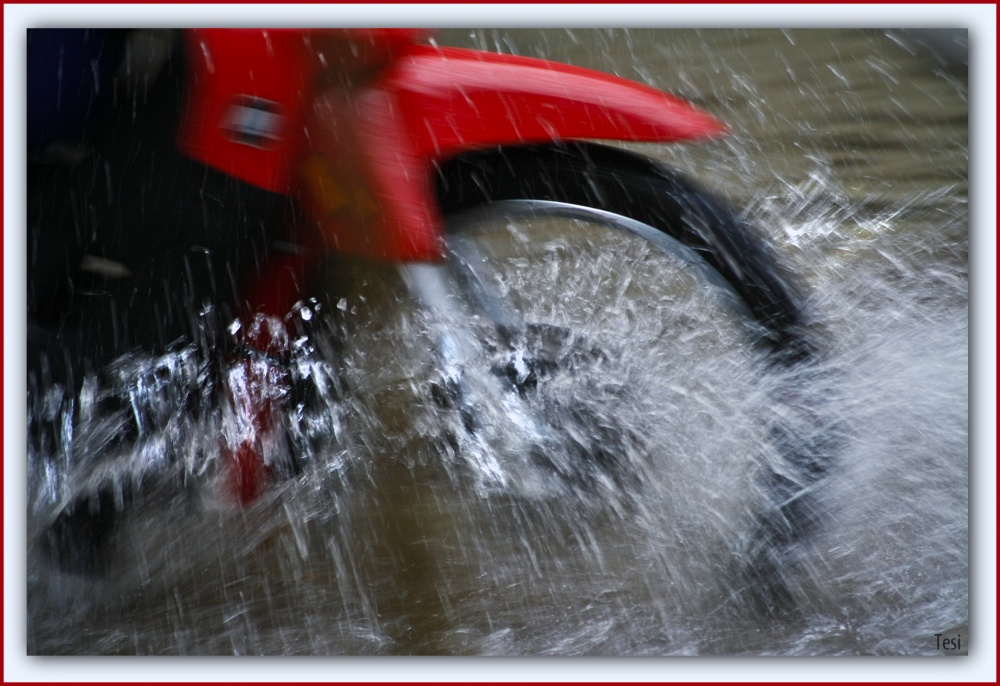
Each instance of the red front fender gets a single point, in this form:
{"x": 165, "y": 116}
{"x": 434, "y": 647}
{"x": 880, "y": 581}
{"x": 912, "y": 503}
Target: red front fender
{"x": 371, "y": 173}
{"x": 454, "y": 99}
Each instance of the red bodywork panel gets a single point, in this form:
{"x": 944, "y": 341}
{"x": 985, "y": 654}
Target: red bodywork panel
{"x": 358, "y": 120}
{"x": 243, "y": 82}
{"x": 250, "y": 91}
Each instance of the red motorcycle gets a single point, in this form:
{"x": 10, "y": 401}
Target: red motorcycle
{"x": 391, "y": 148}
{"x": 384, "y": 138}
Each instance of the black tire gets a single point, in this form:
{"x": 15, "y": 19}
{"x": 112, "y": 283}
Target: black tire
{"x": 635, "y": 187}
{"x": 639, "y": 188}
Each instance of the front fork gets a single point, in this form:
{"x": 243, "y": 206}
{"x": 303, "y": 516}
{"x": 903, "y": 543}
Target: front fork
{"x": 258, "y": 379}
{"x": 456, "y": 298}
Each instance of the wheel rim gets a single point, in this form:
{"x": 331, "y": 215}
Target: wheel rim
{"x": 498, "y": 249}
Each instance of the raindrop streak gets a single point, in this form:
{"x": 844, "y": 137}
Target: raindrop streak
{"x": 209, "y": 64}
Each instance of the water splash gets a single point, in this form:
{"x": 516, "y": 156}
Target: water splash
{"x": 629, "y": 557}
{"x": 398, "y": 537}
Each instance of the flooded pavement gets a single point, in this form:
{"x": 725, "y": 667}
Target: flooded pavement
{"x": 850, "y": 153}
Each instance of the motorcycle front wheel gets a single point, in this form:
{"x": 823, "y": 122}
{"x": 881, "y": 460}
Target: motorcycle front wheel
{"x": 630, "y": 304}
